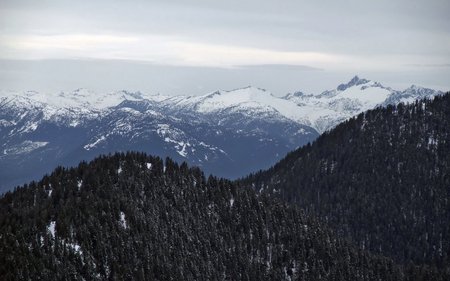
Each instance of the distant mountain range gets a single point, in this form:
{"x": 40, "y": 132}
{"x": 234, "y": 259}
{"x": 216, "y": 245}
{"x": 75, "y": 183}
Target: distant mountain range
{"x": 227, "y": 133}
{"x": 373, "y": 196}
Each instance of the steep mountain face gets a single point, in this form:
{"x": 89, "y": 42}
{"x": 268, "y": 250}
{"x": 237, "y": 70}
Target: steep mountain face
{"x": 381, "y": 179}
{"x": 323, "y": 112}
{"x": 227, "y": 133}
{"x": 135, "y": 217}
{"x": 37, "y": 135}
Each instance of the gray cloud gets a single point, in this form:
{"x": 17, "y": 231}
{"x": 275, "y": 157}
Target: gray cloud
{"x": 435, "y": 65}
{"x": 287, "y": 67}
{"x": 340, "y": 37}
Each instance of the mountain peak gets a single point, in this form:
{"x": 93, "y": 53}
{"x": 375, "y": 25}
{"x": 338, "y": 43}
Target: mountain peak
{"x": 422, "y": 91}
{"x": 353, "y": 82}
{"x": 297, "y": 94}
{"x": 249, "y": 88}
{"x": 414, "y": 87}
{"x": 82, "y": 92}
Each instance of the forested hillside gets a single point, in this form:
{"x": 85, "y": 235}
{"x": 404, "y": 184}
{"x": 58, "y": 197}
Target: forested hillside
{"x": 381, "y": 179}
{"x": 135, "y": 217}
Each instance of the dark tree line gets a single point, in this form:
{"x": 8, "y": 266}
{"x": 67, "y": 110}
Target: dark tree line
{"x": 136, "y": 217}
{"x": 381, "y": 179}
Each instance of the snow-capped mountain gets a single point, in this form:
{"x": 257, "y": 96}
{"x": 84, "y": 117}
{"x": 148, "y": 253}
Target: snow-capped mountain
{"x": 326, "y": 110}
{"x": 228, "y": 133}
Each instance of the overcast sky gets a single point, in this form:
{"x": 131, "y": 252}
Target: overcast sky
{"x": 193, "y": 47}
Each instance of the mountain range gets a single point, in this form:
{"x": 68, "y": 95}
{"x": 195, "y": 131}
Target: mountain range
{"x": 370, "y": 204}
{"x": 227, "y": 133}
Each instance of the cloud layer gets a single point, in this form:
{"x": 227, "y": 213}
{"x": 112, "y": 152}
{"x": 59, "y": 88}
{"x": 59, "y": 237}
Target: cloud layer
{"x": 395, "y": 37}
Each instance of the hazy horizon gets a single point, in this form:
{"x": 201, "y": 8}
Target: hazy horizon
{"x": 61, "y": 75}
{"x": 194, "y": 47}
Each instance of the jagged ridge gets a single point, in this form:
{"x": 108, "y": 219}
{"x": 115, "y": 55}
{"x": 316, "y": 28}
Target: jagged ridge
{"x": 228, "y": 133}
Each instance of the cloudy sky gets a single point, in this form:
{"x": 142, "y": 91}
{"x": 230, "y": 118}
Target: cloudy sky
{"x": 192, "y": 47}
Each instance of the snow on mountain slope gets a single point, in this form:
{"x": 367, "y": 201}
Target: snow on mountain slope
{"x": 249, "y": 100}
{"x": 254, "y": 101}
{"x": 227, "y": 133}
{"x": 326, "y": 110}
{"x": 368, "y": 95}
{"x": 322, "y": 111}
{"x": 68, "y": 108}
{"x": 81, "y": 99}
{"x": 410, "y": 94}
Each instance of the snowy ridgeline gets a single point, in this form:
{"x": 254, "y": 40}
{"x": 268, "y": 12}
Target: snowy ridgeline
{"x": 320, "y": 111}
{"x": 221, "y": 132}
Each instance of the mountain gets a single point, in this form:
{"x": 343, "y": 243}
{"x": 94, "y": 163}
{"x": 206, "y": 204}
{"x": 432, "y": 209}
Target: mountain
{"x": 380, "y": 179}
{"x": 323, "y": 112}
{"x": 136, "y": 217}
{"x": 39, "y": 132}
{"x": 227, "y": 133}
